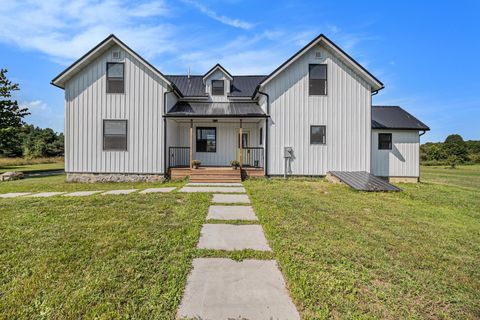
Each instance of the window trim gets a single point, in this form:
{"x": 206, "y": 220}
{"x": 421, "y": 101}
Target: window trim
{"x": 196, "y": 139}
{"x": 223, "y": 86}
{"x": 126, "y": 135}
{"x": 324, "y": 142}
{"x": 116, "y": 78}
{"x": 326, "y": 78}
{"x": 391, "y": 140}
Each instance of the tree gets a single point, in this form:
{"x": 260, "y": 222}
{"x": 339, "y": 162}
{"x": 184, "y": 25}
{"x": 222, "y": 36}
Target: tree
{"x": 455, "y": 148}
{"x": 11, "y": 118}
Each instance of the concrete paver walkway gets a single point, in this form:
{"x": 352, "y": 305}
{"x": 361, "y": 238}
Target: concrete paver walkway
{"x": 14, "y": 194}
{"x": 230, "y": 198}
{"x": 45, "y": 194}
{"x": 157, "y": 190}
{"x": 231, "y": 213}
{"x": 81, "y": 193}
{"x": 117, "y": 192}
{"x": 233, "y": 237}
{"x": 220, "y": 288}
{"x": 214, "y": 189}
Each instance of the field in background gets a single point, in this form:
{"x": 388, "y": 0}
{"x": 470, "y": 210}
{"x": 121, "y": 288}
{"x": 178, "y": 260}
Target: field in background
{"x": 462, "y": 176}
{"x": 31, "y": 165}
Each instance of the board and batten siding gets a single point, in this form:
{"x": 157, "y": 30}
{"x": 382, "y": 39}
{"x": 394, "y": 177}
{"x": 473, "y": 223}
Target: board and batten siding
{"x": 345, "y": 111}
{"x": 404, "y": 158}
{"x": 87, "y": 104}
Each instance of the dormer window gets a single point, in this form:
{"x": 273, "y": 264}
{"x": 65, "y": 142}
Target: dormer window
{"x": 218, "y": 87}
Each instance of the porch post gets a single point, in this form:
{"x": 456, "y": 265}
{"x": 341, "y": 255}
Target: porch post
{"x": 241, "y": 144}
{"x": 191, "y": 142}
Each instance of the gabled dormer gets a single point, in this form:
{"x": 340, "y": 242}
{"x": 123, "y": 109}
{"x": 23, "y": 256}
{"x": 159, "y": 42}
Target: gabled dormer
{"x": 217, "y": 82}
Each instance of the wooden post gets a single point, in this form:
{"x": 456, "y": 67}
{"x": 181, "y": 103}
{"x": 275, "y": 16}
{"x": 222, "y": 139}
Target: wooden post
{"x": 241, "y": 145}
{"x": 191, "y": 143}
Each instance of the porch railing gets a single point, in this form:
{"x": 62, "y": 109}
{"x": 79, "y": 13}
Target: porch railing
{"x": 178, "y": 157}
{"x": 253, "y": 157}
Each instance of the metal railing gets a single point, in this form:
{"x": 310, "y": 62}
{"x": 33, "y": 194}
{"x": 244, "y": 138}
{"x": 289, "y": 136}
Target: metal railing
{"x": 178, "y": 157}
{"x": 253, "y": 157}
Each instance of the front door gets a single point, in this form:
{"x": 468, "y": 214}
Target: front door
{"x": 245, "y": 144}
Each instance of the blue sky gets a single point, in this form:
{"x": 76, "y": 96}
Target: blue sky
{"x": 425, "y": 52}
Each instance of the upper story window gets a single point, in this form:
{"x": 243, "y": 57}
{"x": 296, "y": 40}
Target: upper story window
{"x": 206, "y": 139}
{"x": 218, "y": 87}
{"x": 384, "y": 141}
{"x": 115, "y": 135}
{"x": 317, "y": 79}
{"x": 115, "y": 77}
{"x": 318, "y": 134}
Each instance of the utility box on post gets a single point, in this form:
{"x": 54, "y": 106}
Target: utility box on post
{"x": 287, "y": 152}
{"x": 288, "y": 156}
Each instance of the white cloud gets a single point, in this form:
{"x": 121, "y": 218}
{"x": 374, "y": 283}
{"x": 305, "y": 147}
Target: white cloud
{"x": 64, "y": 30}
{"x": 237, "y": 23}
{"x": 33, "y": 105}
{"x": 42, "y": 115}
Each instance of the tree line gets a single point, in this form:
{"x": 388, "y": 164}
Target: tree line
{"x": 18, "y": 139}
{"x": 454, "y": 150}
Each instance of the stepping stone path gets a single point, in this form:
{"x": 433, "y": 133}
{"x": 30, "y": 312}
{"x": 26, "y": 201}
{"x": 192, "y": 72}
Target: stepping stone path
{"x": 220, "y": 288}
{"x": 116, "y": 192}
{"x": 231, "y": 213}
{"x": 214, "y": 184}
{"x": 45, "y": 194}
{"x": 83, "y": 193}
{"x": 214, "y": 189}
{"x": 230, "y": 198}
{"x": 13, "y": 194}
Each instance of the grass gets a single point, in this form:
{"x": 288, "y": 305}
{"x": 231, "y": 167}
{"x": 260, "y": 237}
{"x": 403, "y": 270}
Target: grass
{"x": 356, "y": 255}
{"x": 31, "y": 165}
{"x": 344, "y": 254}
{"x": 97, "y": 257}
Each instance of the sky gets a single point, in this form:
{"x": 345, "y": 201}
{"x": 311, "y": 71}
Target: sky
{"x": 425, "y": 52}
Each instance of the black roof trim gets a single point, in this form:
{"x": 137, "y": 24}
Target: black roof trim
{"x": 112, "y": 36}
{"x": 218, "y": 65}
{"x": 321, "y": 35}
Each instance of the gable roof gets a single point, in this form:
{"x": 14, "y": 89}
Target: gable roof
{"x": 394, "y": 117}
{"x": 104, "y": 45}
{"x": 193, "y": 86}
{"x": 215, "y": 68}
{"x": 376, "y": 84}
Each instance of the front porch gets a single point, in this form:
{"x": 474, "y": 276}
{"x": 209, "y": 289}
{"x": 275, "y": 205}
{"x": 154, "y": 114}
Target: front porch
{"x": 215, "y": 143}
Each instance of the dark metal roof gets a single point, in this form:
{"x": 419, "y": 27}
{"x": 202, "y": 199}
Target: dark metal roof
{"x": 241, "y": 86}
{"x": 216, "y": 110}
{"x": 394, "y": 117}
{"x": 364, "y": 181}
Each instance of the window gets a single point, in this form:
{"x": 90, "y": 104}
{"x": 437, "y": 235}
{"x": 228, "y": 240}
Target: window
{"x": 115, "y": 135}
{"x": 261, "y": 136}
{"x": 384, "y": 141}
{"x": 318, "y": 134}
{"x": 218, "y": 87}
{"x": 206, "y": 139}
{"x": 115, "y": 77}
{"x": 317, "y": 79}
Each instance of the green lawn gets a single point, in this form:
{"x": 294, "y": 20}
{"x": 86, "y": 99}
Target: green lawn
{"x": 33, "y": 165}
{"x": 344, "y": 254}
{"x": 348, "y": 254}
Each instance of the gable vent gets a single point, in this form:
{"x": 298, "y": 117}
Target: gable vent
{"x": 116, "y": 54}
{"x": 318, "y": 55}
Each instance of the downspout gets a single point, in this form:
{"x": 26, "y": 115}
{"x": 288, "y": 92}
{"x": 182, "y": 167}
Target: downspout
{"x": 266, "y": 130}
{"x": 165, "y": 132}
{"x": 421, "y": 134}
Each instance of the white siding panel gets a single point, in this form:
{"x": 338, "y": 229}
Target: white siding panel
{"x": 345, "y": 111}
{"x": 404, "y": 158}
{"x": 87, "y": 105}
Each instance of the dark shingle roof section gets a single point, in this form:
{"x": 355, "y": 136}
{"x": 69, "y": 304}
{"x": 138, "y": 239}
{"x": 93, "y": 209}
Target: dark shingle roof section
{"x": 363, "y": 181}
{"x": 394, "y": 117}
{"x": 189, "y": 87}
{"x": 216, "y": 109}
{"x": 241, "y": 86}
{"x": 244, "y": 86}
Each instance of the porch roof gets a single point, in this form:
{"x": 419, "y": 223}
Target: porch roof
{"x": 186, "y": 109}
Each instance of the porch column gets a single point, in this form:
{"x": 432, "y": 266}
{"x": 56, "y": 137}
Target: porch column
{"x": 241, "y": 144}
{"x": 191, "y": 143}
